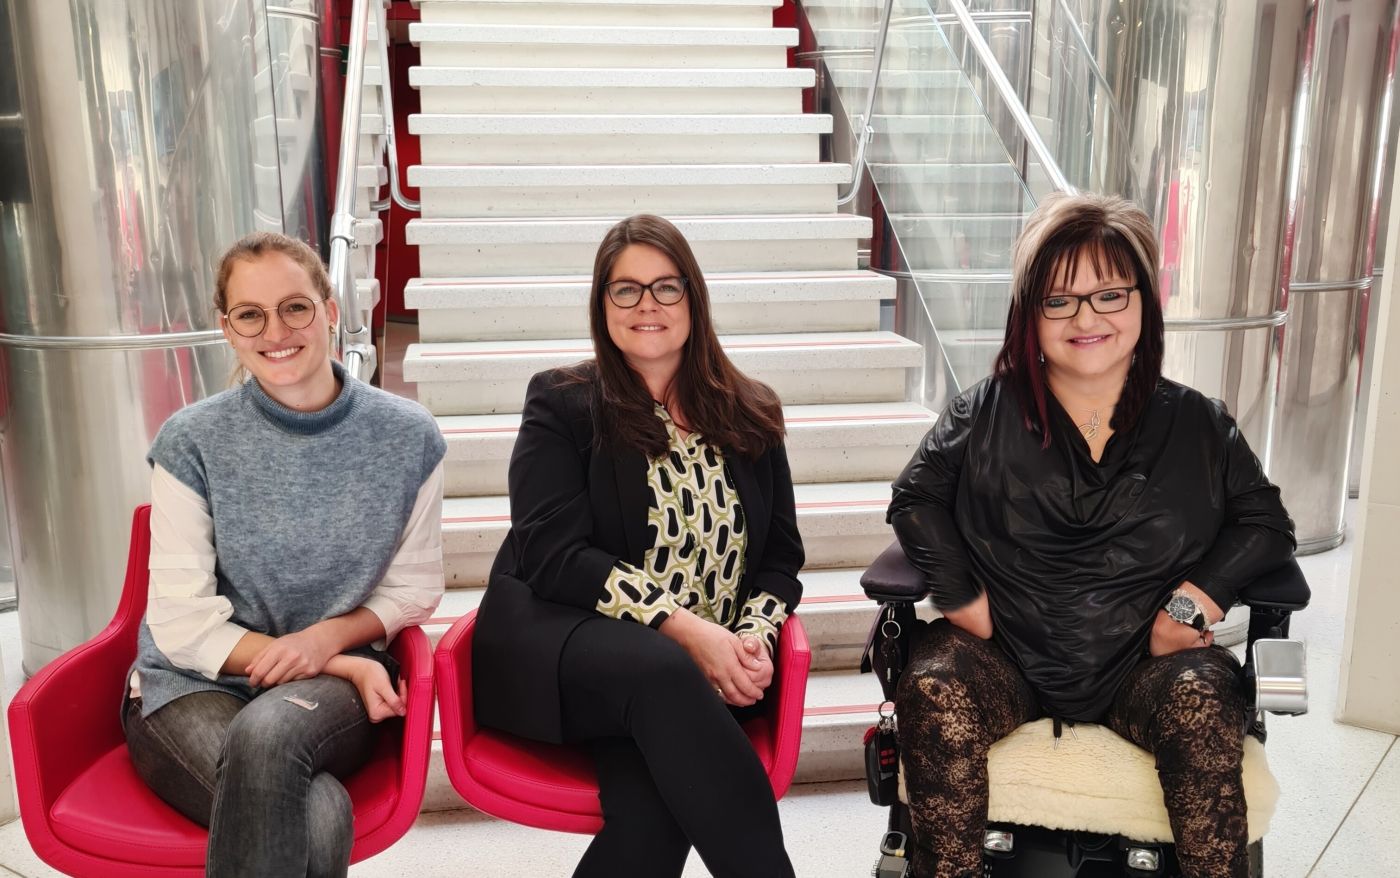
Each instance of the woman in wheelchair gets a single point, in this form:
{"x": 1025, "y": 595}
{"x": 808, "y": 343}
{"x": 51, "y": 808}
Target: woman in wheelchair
{"x": 295, "y": 529}
{"x": 652, "y": 558}
{"x": 1081, "y": 521}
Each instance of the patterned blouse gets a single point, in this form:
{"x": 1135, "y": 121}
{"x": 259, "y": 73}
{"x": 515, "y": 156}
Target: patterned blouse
{"x": 696, "y": 559}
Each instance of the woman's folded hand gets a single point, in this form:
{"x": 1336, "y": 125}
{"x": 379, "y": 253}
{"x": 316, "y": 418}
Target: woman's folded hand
{"x": 297, "y": 656}
{"x": 719, "y": 654}
{"x": 1169, "y": 636}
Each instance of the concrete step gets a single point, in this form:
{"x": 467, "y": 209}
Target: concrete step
{"x": 540, "y": 246}
{"x": 622, "y": 13}
{"x": 825, "y": 443}
{"x": 493, "y": 308}
{"x": 842, "y": 525}
{"x": 466, "y": 378}
{"x": 516, "y": 190}
{"x": 938, "y": 242}
{"x": 618, "y": 139}
{"x": 609, "y": 90}
{"x": 553, "y": 45}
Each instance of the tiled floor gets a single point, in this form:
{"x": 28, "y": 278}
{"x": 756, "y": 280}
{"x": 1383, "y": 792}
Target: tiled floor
{"x": 1339, "y": 816}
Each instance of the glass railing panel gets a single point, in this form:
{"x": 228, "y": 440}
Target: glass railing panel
{"x": 845, "y": 33}
{"x": 952, "y": 195}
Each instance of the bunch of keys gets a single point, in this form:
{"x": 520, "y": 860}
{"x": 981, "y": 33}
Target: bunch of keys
{"x": 882, "y": 759}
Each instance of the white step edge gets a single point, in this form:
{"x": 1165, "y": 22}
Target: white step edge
{"x": 511, "y": 34}
{"x": 579, "y": 230}
{"x": 574, "y": 176}
{"x": 831, "y": 442}
{"x": 842, "y": 525}
{"x": 615, "y": 77}
{"x": 612, "y": 123}
{"x": 441, "y": 361}
{"x": 427, "y": 294}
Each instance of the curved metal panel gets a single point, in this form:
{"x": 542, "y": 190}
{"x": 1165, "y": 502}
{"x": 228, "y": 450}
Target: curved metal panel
{"x": 1347, "y": 92}
{"x": 131, "y": 159}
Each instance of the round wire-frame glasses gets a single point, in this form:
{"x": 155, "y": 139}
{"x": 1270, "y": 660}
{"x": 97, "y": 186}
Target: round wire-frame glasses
{"x": 1065, "y": 305}
{"x": 249, "y": 321}
{"x": 628, "y": 293}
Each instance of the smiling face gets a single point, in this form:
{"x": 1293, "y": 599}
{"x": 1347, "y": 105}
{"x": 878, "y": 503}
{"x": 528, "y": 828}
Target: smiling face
{"x": 1091, "y": 346}
{"x": 292, "y": 365}
{"x": 650, "y": 335}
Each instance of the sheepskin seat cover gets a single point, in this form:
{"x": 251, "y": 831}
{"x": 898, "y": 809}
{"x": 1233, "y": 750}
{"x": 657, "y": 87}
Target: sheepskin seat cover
{"x": 1095, "y": 781}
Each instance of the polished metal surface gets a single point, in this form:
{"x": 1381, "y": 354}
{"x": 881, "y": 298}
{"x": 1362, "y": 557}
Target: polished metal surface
{"x": 1281, "y": 676}
{"x": 294, "y": 42}
{"x": 139, "y": 137}
{"x": 1345, "y": 91}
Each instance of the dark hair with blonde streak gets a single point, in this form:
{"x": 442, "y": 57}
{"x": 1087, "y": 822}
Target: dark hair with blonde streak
{"x": 719, "y": 402}
{"x": 1118, "y": 238}
{"x": 255, "y": 246}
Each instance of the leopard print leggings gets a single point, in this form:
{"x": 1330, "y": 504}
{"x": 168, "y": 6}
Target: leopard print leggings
{"x": 960, "y": 694}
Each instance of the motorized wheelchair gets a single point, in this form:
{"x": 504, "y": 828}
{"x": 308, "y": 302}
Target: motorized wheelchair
{"x": 1049, "y": 817}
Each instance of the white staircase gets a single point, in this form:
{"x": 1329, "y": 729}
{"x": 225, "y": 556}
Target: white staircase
{"x": 544, "y": 122}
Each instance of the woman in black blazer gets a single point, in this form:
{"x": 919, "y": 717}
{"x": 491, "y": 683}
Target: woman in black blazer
{"x": 652, "y": 559}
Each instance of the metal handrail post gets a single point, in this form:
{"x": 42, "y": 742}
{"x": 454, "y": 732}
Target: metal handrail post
{"x": 866, "y": 131}
{"x": 356, "y": 345}
{"x": 386, "y": 97}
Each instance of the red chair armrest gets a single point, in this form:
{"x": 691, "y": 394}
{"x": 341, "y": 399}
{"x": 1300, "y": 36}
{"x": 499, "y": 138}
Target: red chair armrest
{"x": 453, "y": 661}
{"x": 73, "y": 705}
{"x": 794, "y": 659}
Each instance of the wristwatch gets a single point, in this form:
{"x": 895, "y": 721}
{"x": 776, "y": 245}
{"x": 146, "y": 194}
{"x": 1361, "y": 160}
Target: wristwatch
{"x": 1187, "y": 610}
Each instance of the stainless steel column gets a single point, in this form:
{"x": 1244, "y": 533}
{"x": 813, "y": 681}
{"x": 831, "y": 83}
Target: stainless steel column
{"x": 1346, "y": 95}
{"x": 1186, "y": 106}
{"x": 130, "y": 139}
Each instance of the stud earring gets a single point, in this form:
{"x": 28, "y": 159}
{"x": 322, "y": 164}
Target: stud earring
{"x": 1041, "y": 357}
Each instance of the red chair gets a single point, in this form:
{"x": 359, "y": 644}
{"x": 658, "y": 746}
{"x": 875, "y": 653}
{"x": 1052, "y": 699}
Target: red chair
{"x": 87, "y": 813}
{"x": 552, "y": 786}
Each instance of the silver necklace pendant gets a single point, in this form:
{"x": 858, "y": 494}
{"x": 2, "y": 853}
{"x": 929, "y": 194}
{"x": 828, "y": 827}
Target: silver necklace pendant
{"x": 1091, "y": 429}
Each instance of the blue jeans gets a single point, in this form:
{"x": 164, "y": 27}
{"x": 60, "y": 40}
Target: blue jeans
{"x": 260, "y": 774}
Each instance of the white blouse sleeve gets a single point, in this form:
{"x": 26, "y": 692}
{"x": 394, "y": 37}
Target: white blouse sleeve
{"x": 189, "y": 620}
{"x": 412, "y": 586}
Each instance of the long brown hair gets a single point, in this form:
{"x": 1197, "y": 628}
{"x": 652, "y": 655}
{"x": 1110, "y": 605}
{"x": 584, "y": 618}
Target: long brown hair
{"x": 719, "y": 402}
{"x": 1118, "y": 238}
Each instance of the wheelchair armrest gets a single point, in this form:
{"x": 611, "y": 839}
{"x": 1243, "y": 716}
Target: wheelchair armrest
{"x": 1279, "y": 672}
{"x": 1283, "y": 588}
{"x": 891, "y": 578}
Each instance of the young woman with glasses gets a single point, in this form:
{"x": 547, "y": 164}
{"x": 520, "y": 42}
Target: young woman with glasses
{"x": 295, "y": 530}
{"x": 1081, "y": 521}
{"x": 652, "y": 559}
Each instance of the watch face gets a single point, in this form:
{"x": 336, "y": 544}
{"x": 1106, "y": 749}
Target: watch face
{"x": 1181, "y": 608}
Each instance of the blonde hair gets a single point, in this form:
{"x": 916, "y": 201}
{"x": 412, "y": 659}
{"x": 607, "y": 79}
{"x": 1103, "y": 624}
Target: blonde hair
{"x": 255, "y": 246}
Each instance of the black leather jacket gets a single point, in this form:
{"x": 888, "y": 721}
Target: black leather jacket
{"x": 1078, "y": 556}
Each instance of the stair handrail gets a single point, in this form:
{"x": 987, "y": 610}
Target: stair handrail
{"x": 356, "y": 345}
{"x": 866, "y": 131}
{"x": 386, "y": 100}
{"x": 1018, "y": 111}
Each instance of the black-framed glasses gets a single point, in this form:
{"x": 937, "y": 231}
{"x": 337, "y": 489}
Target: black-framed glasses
{"x": 249, "y": 321}
{"x": 628, "y": 293}
{"x": 1065, "y": 306}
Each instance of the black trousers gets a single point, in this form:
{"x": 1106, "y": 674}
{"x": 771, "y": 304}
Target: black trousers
{"x": 674, "y": 767}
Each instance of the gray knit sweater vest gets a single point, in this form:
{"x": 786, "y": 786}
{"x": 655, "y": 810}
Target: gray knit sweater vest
{"x": 308, "y": 508}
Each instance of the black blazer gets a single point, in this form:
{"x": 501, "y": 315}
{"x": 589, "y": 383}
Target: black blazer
{"x": 575, "y": 510}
